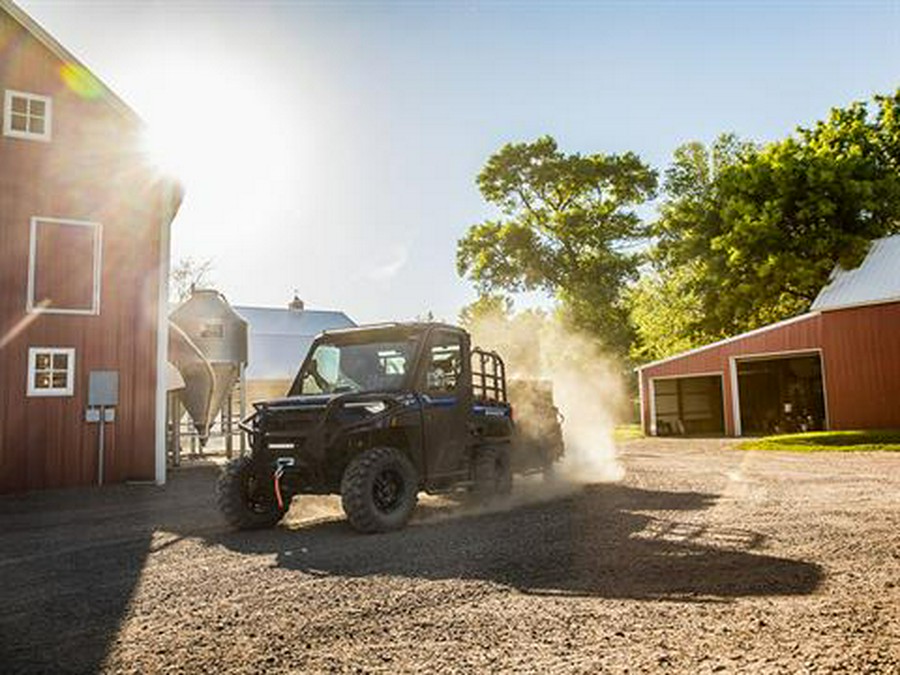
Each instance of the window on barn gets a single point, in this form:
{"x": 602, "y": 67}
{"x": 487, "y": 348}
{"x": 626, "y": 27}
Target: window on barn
{"x": 51, "y": 371}
{"x": 27, "y": 115}
{"x": 64, "y": 267}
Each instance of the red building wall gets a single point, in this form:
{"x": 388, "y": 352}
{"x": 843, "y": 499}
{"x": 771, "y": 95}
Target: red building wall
{"x": 862, "y": 366}
{"x": 91, "y": 170}
{"x": 860, "y": 350}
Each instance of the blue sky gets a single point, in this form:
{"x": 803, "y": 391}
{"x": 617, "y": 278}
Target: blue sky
{"x": 332, "y": 147}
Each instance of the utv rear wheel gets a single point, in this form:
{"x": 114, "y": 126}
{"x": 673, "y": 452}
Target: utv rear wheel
{"x": 493, "y": 471}
{"x": 549, "y": 473}
{"x": 244, "y": 498}
{"x": 379, "y": 490}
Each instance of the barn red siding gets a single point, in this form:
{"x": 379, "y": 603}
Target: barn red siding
{"x": 860, "y": 351}
{"x": 862, "y": 366}
{"x": 796, "y": 336}
{"x": 91, "y": 171}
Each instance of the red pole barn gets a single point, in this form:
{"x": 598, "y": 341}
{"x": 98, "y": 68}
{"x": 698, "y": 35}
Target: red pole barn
{"x": 835, "y": 367}
{"x": 84, "y": 256}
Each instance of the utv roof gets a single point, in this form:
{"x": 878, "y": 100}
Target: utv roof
{"x": 410, "y": 326}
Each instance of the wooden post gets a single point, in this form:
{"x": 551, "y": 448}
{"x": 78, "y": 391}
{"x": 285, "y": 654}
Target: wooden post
{"x": 226, "y": 420}
{"x": 243, "y": 381}
{"x": 176, "y": 430}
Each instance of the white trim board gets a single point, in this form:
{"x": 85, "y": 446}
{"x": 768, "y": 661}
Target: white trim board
{"x": 644, "y": 429}
{"x": 162, "y": 343}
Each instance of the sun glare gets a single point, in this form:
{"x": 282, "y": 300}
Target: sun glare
{"x": 217, "y": 128}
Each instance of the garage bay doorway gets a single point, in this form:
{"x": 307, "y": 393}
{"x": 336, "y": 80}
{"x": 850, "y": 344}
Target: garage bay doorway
{"x": 781, "y": 395}
{"x": 689, "y": 406}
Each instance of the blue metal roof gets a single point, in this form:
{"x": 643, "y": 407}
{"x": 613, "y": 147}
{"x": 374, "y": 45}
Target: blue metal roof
{"x": 280, "y": 338}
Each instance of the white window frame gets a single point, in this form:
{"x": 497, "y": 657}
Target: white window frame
{"x": 8, "y": 130}
{"x": 33, "y": 307}
{"x": 69, "y": 389}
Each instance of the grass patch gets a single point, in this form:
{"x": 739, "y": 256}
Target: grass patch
{"x": 829, "y": 441}
{"x": 627, "y": 432}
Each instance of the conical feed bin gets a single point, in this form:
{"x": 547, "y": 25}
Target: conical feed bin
{"x": 208, "y": 345}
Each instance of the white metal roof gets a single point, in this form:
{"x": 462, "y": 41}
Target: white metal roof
{"x": 876, "y": 280}
{"x": 280, "y": 338}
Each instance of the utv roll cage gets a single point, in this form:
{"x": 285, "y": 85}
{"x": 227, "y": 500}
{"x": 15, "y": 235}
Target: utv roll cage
{"x": 488, "y": 376}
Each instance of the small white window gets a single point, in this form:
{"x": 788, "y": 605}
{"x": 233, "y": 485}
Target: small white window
{"x": 51, "y": 371}
{"x": 27, "y": 115}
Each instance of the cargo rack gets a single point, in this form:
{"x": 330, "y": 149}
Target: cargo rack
{"x": 488, "y": 376}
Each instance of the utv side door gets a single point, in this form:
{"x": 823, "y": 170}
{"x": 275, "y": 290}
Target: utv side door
{"x": 447, "y": 401}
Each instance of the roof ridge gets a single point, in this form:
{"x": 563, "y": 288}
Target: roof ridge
{"x": 873, "y": 281}
{"x": 287, "y": 310}
{"x": 44, "y": 37}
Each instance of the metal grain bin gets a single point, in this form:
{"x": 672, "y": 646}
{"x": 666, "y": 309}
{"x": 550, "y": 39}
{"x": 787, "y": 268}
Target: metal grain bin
{"x": 208, "y": 345}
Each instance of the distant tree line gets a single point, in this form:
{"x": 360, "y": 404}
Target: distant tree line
{"x": 745, "y": 233}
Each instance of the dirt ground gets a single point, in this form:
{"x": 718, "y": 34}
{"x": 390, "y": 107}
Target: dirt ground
{"x": 703, "y": 559}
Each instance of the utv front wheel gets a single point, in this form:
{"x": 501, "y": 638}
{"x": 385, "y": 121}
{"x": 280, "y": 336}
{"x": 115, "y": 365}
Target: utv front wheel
{"x": 244, "y": 498}
{"x": 379, "y": 490}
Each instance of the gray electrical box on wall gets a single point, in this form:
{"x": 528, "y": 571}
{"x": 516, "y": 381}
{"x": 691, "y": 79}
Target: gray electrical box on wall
{"x": 103, "y": 388}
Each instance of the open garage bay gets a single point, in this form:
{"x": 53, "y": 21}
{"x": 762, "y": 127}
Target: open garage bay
{"x": 703, "y": 559}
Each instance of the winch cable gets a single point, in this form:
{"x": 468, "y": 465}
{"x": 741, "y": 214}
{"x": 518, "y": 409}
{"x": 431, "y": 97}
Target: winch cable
{"x": 277, "y": 480}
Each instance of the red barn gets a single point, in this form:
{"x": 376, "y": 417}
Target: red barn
{"x": 84, "y": 248}
{"x": 836, "y": 367}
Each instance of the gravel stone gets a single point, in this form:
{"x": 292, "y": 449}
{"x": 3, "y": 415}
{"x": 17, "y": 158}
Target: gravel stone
{"x": 703, "y": 559}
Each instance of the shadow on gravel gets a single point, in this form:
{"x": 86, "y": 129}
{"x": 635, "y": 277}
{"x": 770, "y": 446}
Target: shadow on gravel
{"x": 70, "y": 561}
{"x": 605, "y": 540}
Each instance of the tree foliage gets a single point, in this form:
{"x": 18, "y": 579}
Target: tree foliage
{"x": 565, "y": 226}
{"x": 488, "y": 307}
{"x": 749, "y": 235}
{"x": 187, "y": 274}
{"x": 665, "y": 311}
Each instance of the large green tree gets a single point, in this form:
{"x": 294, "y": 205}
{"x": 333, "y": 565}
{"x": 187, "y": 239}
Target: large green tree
{"x": 749, "y": 235}
{"x": 567, "y": 227}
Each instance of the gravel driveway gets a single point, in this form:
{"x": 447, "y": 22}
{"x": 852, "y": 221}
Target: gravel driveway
{"x": 703, "y": 559}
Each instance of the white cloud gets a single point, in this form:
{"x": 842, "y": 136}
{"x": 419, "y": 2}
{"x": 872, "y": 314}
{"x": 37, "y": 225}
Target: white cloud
{"x": 399, "y": 256}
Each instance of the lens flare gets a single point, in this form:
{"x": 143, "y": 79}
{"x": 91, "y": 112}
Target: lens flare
{"x": 80, "y": 80}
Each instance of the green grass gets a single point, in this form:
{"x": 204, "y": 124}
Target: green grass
{"x": 829, "y": 441}
{"x": 627, "y": 432}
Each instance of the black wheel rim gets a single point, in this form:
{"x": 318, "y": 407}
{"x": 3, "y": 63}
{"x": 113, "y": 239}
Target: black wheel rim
{"x": 253, "y": 498}
{"x": 387, "y": 490}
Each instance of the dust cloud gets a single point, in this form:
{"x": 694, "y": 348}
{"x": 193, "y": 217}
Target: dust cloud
{"x": 587, "y": 388}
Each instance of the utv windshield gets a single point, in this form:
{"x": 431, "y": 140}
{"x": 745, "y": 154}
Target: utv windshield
{"x": 342, "y": 368}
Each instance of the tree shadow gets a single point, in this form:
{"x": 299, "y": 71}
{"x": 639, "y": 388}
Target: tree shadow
{"x": 608, "y": 541}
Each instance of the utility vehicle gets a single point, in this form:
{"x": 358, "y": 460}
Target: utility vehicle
{"x": 378, "y": 414}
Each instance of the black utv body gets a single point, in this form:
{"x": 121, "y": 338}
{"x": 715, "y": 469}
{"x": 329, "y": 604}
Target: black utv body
{"x": 378, "y": 414}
